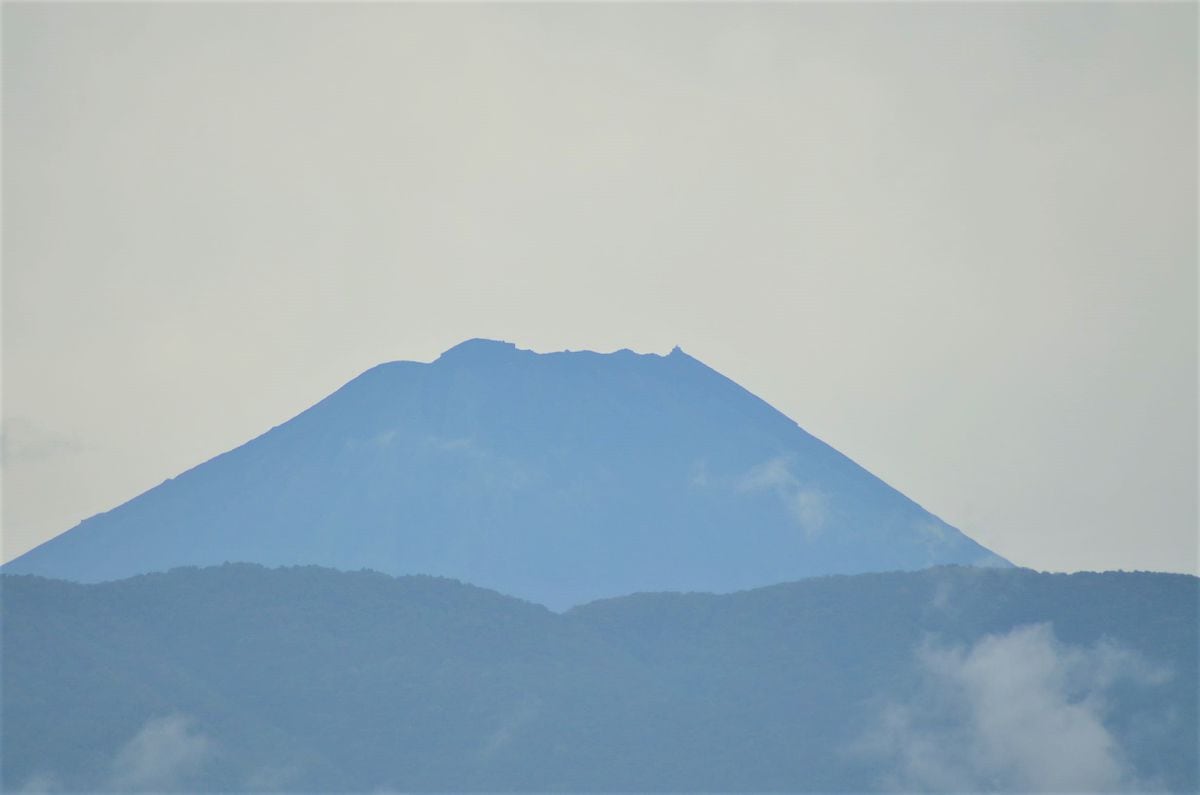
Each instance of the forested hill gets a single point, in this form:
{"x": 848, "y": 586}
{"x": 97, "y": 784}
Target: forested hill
{"x": 242, "y": 678}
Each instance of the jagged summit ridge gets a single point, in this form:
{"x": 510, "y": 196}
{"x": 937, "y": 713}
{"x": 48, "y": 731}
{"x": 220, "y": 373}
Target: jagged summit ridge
{"x": 482, "y": 347}
{"x": 558, "y": 477}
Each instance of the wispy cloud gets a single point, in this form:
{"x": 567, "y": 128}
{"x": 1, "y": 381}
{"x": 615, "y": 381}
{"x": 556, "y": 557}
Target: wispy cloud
{"x": 23, "y": 441}
{"x": 167, "y": 754}
{"x": 807, "y": 505}
{"x": 164, "y": 756}
{"x": 509, "y": 727}
{"x": 1019, "y": 712}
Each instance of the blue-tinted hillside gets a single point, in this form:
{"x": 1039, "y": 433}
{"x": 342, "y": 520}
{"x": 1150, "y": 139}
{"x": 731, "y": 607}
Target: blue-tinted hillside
{"x": 952, "y": 679}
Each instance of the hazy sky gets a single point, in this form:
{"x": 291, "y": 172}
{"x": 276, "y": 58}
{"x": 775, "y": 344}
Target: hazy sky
{"x": 955, "y": 241}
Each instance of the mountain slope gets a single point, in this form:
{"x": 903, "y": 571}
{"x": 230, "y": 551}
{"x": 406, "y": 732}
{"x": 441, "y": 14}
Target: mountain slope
{"x": 956, "y": 679}
{"x": 557, "y": 477}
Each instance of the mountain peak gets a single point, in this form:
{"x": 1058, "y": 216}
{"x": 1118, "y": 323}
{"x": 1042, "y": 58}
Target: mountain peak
{"x": 484, "y": 347}
{"x": 560, "y": 477}
{"x": 479, "y": 347}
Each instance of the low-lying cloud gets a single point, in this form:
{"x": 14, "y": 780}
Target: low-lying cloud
{"x": 167, "y": 754}
{"x": 1019, "y": 712}
{"x": 163, "y": 756}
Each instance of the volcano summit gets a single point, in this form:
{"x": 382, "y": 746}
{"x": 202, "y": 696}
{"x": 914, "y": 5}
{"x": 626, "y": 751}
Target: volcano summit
{"x": 559, "y": 478}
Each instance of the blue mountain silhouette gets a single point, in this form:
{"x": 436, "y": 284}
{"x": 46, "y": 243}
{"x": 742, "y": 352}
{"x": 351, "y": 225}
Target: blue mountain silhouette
{"x": 559, "y": 478}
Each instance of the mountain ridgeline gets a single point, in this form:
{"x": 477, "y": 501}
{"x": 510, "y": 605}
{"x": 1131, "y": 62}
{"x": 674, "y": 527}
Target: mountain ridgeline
{"x": 559, "y": 478}
{"x": 953, "y": 679}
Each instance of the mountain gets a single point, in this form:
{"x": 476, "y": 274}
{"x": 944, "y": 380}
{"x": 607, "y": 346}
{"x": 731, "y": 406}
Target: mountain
{"x": 559, "y": 478}
{"x": 951, "y": 679}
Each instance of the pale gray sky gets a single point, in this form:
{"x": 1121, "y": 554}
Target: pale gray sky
{"x": 956, "y": 241}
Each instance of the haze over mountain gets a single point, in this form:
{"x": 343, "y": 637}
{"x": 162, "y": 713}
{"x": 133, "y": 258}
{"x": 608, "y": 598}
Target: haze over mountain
{"x": 558, "y": 478}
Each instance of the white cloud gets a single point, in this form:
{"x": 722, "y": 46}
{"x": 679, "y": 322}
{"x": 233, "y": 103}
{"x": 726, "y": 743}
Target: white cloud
{"x": 164, "y": 755}
{"x": 1020, "y": 712}
{"x": 771, "y": 474}
{"x": 808, "y": 506}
